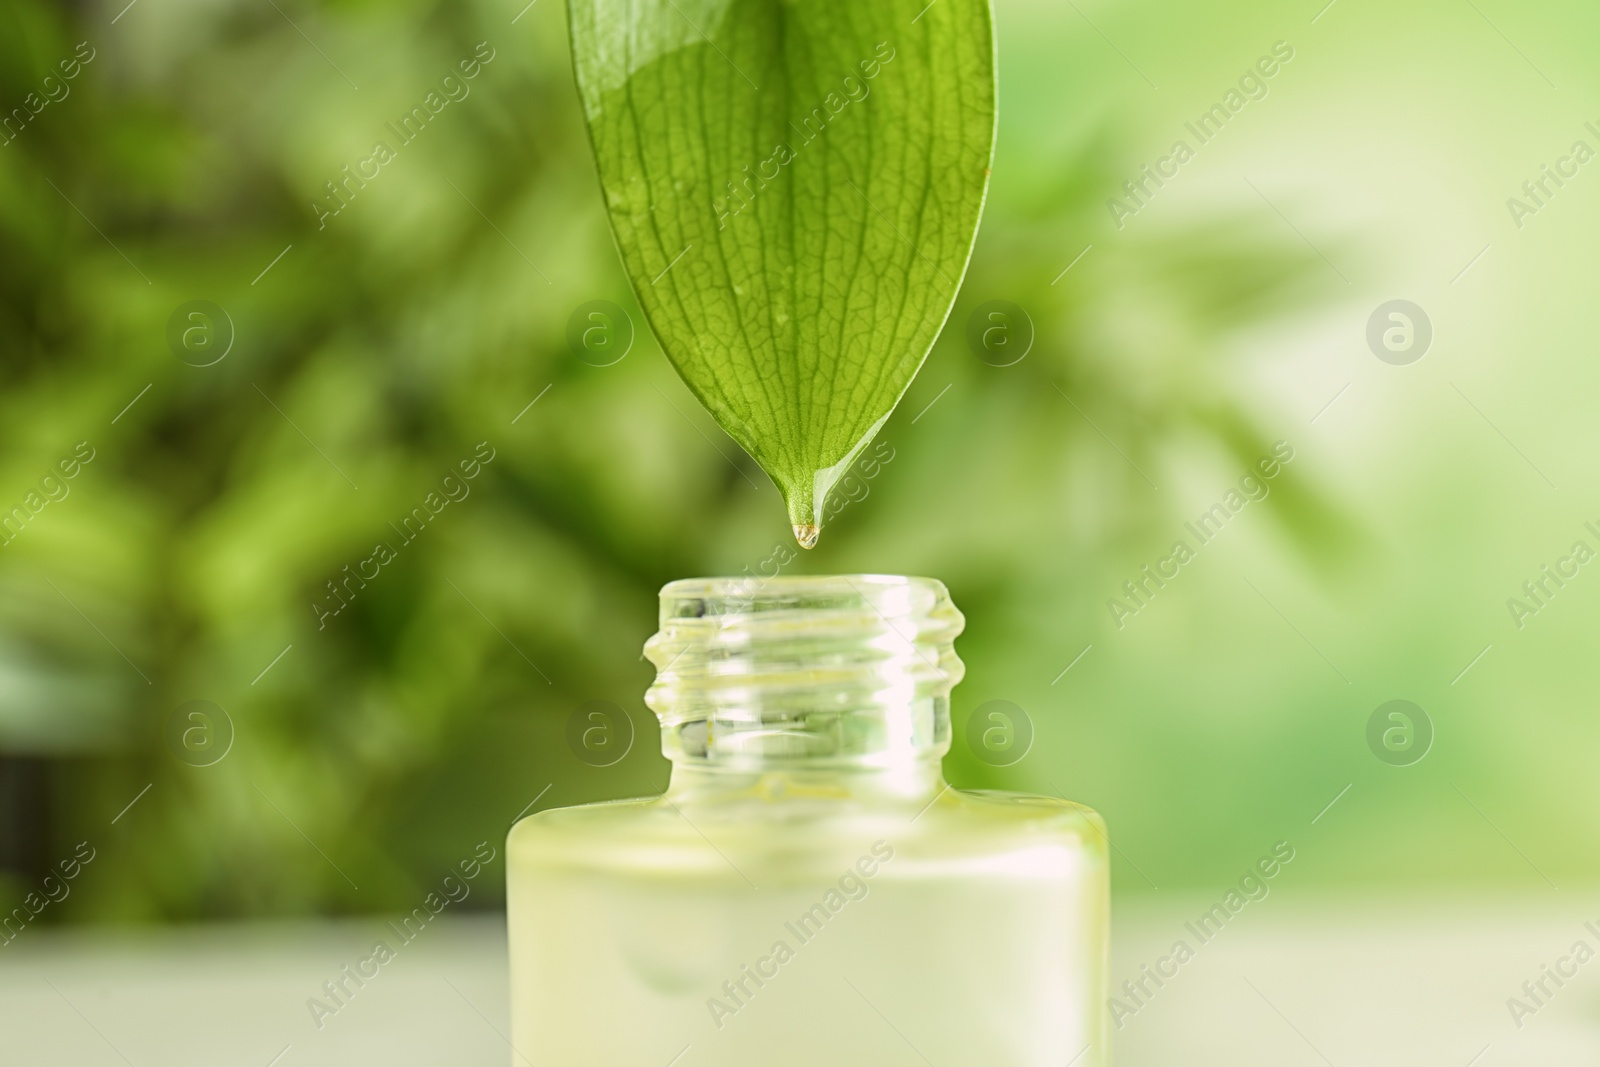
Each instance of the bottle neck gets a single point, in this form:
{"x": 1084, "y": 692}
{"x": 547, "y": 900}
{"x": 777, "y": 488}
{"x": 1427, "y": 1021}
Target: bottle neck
{"x": 914, "y": 782}
{"x": 807, "y": 683}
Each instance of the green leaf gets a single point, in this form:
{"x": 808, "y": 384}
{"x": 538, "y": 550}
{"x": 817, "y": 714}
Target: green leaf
{"x": 795, "y": 187}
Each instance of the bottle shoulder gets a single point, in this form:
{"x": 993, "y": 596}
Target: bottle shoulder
{"x": 663, "y": 830}
{"x": 995, "y": 804}
{"x": 1019, "y": 808}
{"x": 598, "y": 817}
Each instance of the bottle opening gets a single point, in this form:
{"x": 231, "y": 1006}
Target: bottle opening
{"x": 836, "y": 670}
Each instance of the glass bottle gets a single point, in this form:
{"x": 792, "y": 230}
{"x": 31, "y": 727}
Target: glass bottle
{"x": 809, "y": 890}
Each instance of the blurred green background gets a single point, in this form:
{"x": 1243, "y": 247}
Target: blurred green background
{"x": 374, "y": 350}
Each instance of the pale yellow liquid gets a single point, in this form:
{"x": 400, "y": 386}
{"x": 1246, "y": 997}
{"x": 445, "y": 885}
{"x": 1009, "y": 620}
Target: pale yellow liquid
{"x": 980, "y": 943}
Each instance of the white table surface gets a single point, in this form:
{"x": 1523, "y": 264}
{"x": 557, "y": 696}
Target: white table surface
{"x": 1415, "y": 982}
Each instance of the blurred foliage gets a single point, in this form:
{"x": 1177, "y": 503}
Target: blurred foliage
{"x": 375, "y": 351}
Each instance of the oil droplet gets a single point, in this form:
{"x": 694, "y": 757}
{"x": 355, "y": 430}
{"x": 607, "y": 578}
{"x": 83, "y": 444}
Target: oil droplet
{"x": 806, "y": 534}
